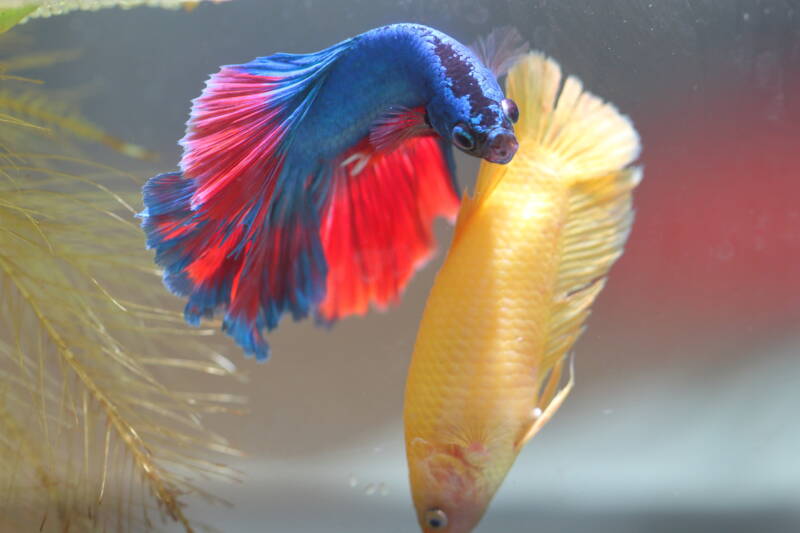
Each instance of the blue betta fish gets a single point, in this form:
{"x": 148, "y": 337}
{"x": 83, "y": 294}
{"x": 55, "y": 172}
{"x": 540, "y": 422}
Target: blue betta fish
{"x": 309, "y": 182}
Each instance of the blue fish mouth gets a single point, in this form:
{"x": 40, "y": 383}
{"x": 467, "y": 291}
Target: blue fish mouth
{"x": 500, "y": 147}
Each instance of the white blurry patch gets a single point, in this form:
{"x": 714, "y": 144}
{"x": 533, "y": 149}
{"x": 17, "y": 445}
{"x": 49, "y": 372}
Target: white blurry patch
{"x": 360, "y": 161}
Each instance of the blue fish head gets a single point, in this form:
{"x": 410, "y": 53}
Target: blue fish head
{"x": 470, "y": 108}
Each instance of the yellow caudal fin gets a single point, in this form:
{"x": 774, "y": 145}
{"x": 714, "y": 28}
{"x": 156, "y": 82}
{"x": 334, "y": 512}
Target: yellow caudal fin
{"x": 586, "y": 144}
{"x": 561, "y": 126}
{"x": 572, "y": 131}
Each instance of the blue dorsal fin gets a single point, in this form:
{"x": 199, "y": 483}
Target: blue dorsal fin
{"x": 500, "y": 49}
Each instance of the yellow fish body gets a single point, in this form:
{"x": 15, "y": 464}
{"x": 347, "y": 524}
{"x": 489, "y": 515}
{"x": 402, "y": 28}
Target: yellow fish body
{"x": 530, "y": 254}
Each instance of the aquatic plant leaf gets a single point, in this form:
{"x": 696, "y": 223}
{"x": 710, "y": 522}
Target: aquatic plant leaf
{"x": 37, "y": 110}
{"x": 49, "y": 8}
{"x": 97, "y": 430}
{"x": 9, "y": 17}
{"x": 36, "y": 60}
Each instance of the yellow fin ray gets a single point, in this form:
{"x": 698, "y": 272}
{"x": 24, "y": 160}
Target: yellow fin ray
{"x": 585, "y": 144}
{"x": 574, "y": 131}
{"x": 551, "y": 401}
{"x": 489, "y": 176}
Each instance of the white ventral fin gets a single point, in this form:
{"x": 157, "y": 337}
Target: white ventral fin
{"x": 549, "y": 401}
{"x": 500, "y": 49}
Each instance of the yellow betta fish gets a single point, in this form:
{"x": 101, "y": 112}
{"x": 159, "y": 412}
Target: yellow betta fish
{"x": 530, "y": 254}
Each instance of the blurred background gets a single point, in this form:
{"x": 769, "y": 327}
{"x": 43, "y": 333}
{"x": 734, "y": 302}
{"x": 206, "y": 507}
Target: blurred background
{"x": 685, "y": 414}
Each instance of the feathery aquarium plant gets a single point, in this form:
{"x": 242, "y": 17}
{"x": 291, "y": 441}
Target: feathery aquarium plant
{"x": 96, "y": 430}
{"x": 13, "y": 12}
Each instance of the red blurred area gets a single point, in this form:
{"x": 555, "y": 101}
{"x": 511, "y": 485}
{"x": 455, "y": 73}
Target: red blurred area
{"x": 717, "y": 230}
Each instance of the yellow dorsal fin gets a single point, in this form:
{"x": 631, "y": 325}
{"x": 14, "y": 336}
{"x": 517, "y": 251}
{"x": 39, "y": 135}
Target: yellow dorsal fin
{"x": 489, "y": 176}
{"x": 587, "y": 144}
{"x": 573, "y": 131}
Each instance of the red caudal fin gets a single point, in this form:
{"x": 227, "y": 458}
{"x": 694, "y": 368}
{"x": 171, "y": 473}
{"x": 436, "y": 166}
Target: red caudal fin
{"x": 235, "y": 229}
{"x": 377, "y": 226}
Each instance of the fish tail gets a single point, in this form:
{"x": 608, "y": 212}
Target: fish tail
{"x": 206, "y": 262}
{"x": 581, "y": 135}
{"x": 237, "y": 228}
{"x": 586, "y": 146}
{"x": 167, "y": 220}
{"x": 197, "y": 262}
{"x": 573, "y": 134}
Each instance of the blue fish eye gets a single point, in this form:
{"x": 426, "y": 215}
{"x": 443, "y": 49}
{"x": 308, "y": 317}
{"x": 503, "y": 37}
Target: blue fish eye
{"x": 510, "y": 109}
{"x": 463, "y": 138}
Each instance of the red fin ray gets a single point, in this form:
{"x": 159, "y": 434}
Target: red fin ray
{"x": 231, "y": 144}
{"x": 397, "y": 125}
{"x": 256, "y": 230}
{"x": 235, "y": 229}
{"x": 377, "y": 226}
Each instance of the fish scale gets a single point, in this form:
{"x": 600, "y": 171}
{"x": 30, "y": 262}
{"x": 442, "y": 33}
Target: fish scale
{"x": 491, "y": 274}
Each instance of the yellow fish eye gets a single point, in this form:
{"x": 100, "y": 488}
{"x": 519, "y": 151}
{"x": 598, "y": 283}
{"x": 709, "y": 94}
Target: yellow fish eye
{"x": 435, "y": 519}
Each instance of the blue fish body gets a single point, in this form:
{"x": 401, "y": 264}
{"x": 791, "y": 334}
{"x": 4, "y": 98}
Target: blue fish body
{"x": 309, "y": 182}
{"x": 406, "y": 66}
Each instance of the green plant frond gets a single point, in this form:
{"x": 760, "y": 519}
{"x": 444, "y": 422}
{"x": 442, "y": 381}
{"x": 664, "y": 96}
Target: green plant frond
{"x": 64, "y": 307}
{"x": 37, "y": 60}
{"x": 14, "y": 11}
{"x": 34, "y": 109}
{"x": 97, "y": 430}
{"x": 12, "y": 77}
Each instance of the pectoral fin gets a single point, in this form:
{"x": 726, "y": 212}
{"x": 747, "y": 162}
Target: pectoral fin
{"x": 377, "y": 227}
